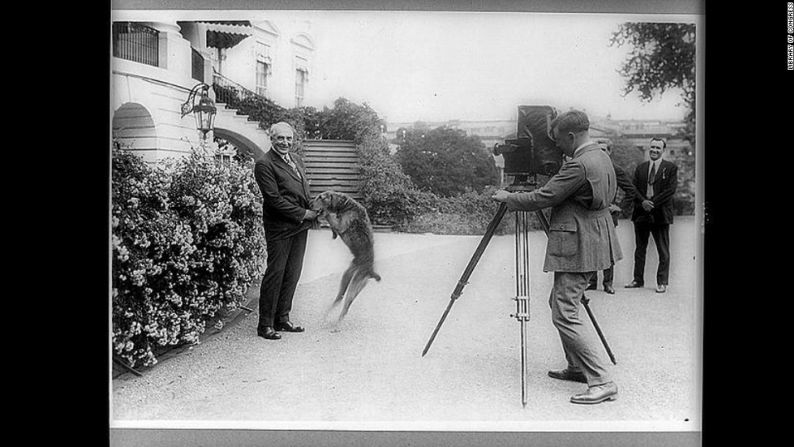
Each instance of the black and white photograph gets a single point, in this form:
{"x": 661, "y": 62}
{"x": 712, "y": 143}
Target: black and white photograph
{"x": 405, "y": 219}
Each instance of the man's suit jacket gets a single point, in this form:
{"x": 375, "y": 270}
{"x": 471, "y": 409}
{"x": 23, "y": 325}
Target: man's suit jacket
{"x": 581, "y": 235}
{"x": 625, "y": 183}
{"x": 285, "y": 195}
{"x": 664, "y": 186}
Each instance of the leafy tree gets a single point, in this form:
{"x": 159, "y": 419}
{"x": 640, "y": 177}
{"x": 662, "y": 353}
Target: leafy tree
{"x": 445, "y": 161}
{"x": 348, "y": 121}
{"x": 662, "y": 57}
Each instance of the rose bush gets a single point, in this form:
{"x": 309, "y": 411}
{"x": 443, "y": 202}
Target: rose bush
{"x": 187, "y": 242}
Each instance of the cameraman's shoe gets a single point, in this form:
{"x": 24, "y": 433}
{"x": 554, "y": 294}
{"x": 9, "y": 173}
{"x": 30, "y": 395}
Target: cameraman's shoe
{"x": 609, "y": 289}
{"x": 566, "y": 374}
{"x": 597, "y": 394}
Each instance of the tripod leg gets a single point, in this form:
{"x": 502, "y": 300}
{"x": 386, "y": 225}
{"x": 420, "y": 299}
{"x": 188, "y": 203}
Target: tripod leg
{"x": 522, "y": 293}
{"x": 586, "y": 304}
{"x": 469, "y": 270}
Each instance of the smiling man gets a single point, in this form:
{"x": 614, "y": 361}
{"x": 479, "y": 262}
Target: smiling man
{"x": 655, "y": 181}
{"x": 287, "y": 216}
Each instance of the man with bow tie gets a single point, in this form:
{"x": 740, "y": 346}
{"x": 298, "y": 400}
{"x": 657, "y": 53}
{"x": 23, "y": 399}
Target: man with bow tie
{"x": 287, "y": 217}
{"x": 655, "y": 182}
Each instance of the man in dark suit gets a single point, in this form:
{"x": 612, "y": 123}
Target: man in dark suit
{"x": 581, "y": 241}
{"x": 625, "y": 184}
{"x": 656, "y": 181}
{"x": 287, "y": 217}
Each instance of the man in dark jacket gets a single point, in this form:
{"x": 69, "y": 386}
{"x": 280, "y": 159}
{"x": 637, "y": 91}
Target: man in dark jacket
{"x": 626, "y": 185}
{"x": 287, "y": 217}
{"x": 656, "y": 181}
{"x": 581, "y": 241}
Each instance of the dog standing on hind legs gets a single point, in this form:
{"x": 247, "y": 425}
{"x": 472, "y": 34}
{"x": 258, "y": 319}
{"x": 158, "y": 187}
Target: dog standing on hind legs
{"x": 348, "y": 219}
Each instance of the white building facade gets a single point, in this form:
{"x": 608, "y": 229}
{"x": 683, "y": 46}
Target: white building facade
{"x": 156, "y": 63}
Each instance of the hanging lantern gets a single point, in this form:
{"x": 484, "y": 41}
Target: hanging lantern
{"x": 202, "y": 107}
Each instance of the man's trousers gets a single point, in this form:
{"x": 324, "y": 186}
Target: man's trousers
{"x": 284, "y": 265}
{"x": 661, "y": 237}
{"x": 578, "y": 342}
{"x": 609, "y": 274}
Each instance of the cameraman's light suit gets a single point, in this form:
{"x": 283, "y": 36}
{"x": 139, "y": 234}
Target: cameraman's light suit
{"x": 582, "y": 240}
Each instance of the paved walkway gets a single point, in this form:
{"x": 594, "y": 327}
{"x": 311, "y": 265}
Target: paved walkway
{"x": 368, "y": 373}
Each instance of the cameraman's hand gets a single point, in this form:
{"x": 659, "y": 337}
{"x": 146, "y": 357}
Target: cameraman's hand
{"x": 614, "y": 208}
{"x": 310, "y": 215}
{"x": 647, "y": 205}
{"x": 500, "y": 196}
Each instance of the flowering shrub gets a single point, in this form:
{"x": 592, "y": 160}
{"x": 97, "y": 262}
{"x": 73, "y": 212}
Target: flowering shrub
{"x": 187, "y": 242}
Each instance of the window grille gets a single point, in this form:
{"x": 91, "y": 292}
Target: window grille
{"x": 136, "y": 42}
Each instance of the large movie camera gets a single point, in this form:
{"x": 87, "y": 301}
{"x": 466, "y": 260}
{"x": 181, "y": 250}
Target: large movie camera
{"x": 533, "y": 151}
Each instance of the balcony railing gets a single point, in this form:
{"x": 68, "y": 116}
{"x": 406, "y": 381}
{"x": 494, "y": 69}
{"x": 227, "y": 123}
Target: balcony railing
{"x": 230, "y": 92}
{"x": 136, "y": 42}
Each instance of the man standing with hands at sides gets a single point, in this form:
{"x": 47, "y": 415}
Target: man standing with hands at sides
{"x": 655, "y": 181}
{"x": 287, "y": 217}
{"x": 581, "y": 241}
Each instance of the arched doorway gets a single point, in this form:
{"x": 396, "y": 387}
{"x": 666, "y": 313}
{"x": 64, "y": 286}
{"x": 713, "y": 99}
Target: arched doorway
{"x": 244, "y": 146}
{"x": 133, "y": 128}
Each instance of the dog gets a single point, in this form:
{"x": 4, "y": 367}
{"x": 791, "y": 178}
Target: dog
{"x": 349, "y": 220}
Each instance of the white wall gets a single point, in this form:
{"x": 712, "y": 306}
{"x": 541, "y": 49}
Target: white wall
{"x": 159, "y": 92}
{"x": 151, "y": 121}
{"x": 240, "y": 63}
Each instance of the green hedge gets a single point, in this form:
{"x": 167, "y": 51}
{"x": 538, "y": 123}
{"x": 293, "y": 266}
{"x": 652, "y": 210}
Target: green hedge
{"x": 187, "y": 242}
{"x": 391, "y": 198}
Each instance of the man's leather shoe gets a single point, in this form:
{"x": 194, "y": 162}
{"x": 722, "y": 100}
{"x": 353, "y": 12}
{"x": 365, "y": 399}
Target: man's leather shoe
{"x": 634, "y": 285}
{"x": 609, "y": 289}
{"x": 592, "y": 286}
{"x": 597, "y": 394}
{"x": 268, "y": 333}
{"x": 566, "y": 374}
{"x": 287, "y": 326}
{"x": 661, "y": 288}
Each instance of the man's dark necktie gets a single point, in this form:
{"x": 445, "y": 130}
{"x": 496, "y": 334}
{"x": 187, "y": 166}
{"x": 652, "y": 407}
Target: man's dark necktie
{"x": 651, "y": 179}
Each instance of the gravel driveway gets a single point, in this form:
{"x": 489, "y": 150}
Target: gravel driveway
{"x": 368, "y": 373}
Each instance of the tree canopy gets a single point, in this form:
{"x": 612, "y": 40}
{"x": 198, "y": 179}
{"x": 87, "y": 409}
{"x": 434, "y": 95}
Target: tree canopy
{"x": 345, "y": 121}
{"x": 445, "y": 161}
{"x": 662, "y": 57}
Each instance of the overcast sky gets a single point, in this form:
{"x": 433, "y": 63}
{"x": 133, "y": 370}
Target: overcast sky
{"x": 437, "y": 66}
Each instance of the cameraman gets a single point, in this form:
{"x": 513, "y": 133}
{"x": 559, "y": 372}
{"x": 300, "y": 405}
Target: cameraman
{"x": 581, "y": 241}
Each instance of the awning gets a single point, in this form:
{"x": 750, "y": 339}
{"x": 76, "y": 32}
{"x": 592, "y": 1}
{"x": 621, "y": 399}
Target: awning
{"x": 226, "y": 34}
